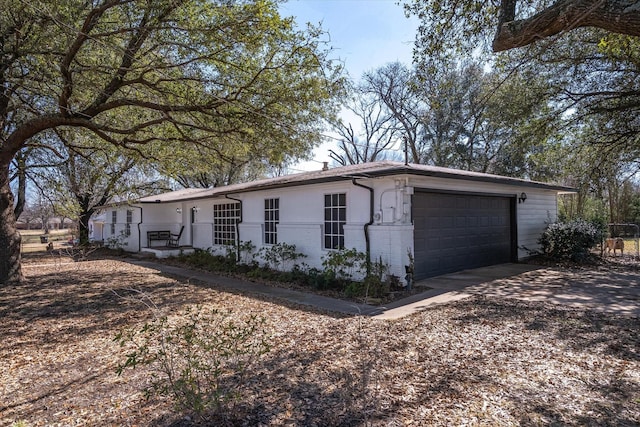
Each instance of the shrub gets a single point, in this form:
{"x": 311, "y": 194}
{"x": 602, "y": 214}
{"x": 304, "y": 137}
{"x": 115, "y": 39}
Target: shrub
{"x": 240, "y": 253}
{"x": 571, "y": 240}
{"x": 281, "y": 255}
{"x": 198, "y": 359}
{"x": 344, "y": 264}
{"x": 208, "y": 261}
{"x": 369, "y": 287}
{"x": 117, "y": 242}
{"x": 316, "y": 278}
{"x": 375, "y": 285}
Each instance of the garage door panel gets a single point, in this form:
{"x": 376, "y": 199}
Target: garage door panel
{"x": 454, "y": 232}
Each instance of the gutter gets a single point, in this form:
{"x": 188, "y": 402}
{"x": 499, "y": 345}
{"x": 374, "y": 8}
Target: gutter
{"x": 226, "y": 196}
{"x": 139, "y": 232}
{"x": 317, "y": 178}
{"x": 367, "y": 240}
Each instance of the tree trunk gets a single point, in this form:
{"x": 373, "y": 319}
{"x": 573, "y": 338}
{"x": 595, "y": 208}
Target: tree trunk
{"x": 10, "y": 267}
{"x": 83, "y": 226}
{"x": 616, "y": 16}
{"x": 22, "y": 186}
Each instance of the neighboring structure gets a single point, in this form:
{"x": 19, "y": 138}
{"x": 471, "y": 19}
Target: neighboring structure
{"x": 53, "y": 223}
{"x": 447, "y": 220}
{"x": 96, "y": 227}
{"x": 59, "y": 223}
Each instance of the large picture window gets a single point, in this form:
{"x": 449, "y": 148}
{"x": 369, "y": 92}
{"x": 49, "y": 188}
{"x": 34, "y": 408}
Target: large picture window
{"x": 271, "y": 220}
{"x": 335, "y": 217}
{"x": 225, "y": 220}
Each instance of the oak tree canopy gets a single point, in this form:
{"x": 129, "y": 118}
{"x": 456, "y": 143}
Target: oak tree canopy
{"x": 513, "y": 23}
{"x": 157, "y": 77}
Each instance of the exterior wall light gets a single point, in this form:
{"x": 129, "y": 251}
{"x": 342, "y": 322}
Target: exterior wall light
{"x": 195, "y": 209}
{"x": 179, "y": 210}
{"x": 522, "y": 198}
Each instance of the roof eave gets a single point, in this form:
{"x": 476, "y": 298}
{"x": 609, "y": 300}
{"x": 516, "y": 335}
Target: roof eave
{"x": 389, "y": 171}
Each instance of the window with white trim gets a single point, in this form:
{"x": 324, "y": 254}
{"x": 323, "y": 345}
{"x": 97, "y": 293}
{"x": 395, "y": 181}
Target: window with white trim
{"x": 271, "y": 220}
{"x": 114, "y": 219}
{"x": 127, "y": 229}
{"x": 226, "y": 217}
{"x": 335, "y": 217}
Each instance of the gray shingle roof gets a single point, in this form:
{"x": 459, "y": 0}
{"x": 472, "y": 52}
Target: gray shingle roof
{"x": 364, "y": 170}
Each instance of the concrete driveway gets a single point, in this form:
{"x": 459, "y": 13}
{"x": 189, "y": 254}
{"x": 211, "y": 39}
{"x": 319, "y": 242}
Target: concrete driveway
{"x": 611, "y": 291}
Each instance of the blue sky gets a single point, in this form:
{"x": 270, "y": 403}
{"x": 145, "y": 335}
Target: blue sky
{"x": 364, "y": 35}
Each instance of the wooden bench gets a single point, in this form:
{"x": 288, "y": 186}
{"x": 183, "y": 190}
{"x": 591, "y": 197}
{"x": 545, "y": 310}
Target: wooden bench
{"x": 158, "y": 235}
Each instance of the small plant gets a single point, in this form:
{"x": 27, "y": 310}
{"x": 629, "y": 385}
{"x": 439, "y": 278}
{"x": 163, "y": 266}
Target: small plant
{"x": 571, "y": 240}
{"x": 198, "y": 359}
{"x": 208, "y": 261}
{"x": 344, "y": 264}
{"x": 80, "y": 252}
{"x": 409, "y": 269}
{"x": 281, "y": 256}
{"x": 241, "y": 253}
{"x": 117, "y": 242}
{"x": 374, "y": 285}
{"x": 317, "y": 278}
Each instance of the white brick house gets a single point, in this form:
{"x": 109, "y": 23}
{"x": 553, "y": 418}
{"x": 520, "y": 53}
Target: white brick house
{"x": 449, "y": 220}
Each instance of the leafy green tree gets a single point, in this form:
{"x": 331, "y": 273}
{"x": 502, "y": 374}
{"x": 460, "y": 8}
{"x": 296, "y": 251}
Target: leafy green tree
{"x": 154, "y": 77}
{"x": 452, "y": 119}
{"x": 574, "y": 63}
{"x": 80, "y": 174}
{"x": 516, "y": 122}
{"x": 588, "y": 55}
{"x": 508, "y": 24}
{"x": 457, "y": 118}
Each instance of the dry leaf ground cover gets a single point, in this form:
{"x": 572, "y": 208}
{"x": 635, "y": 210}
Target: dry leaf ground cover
{"x": 480, "y": 361}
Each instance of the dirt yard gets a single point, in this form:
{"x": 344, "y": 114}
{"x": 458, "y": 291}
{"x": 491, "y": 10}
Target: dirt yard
{"x": 477, "y": 362}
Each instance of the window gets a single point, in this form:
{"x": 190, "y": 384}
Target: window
{"x": 114, "y": 219}
{"x": 225, "y": 219}
{"x": 127, "y": 229}
{"x": 271, "y": 220}
{"x": 335, "y": 217}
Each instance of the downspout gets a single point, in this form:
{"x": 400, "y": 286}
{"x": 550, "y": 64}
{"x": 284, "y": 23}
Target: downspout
{"x": 139, "y": 232}
{"x": 226, "y": 196}
{"x": 367, "y": 240}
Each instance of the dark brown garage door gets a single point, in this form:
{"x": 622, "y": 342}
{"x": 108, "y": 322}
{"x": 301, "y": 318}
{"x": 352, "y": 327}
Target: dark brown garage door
{"x": 453, "y": 232}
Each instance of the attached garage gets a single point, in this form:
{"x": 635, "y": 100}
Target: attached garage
{"x": 457, "y": 231}
{"x": 439, "y": 220}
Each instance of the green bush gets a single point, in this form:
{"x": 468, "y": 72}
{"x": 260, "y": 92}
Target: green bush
{"x": 240, "y": 253}
{"x": 198, "y": 359}
{"x": 118, "y": 242}
{"x": 340, "y": 269}
{"x": 206, "y": 260}
{"x": 369, "y": 287}
{"x": 315, "y": 278}
{"x": 375, "y": 285}
{"x": 344, "y": 264}
{"x": 281, "y": 256}
{"x": 572, "y": 240}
